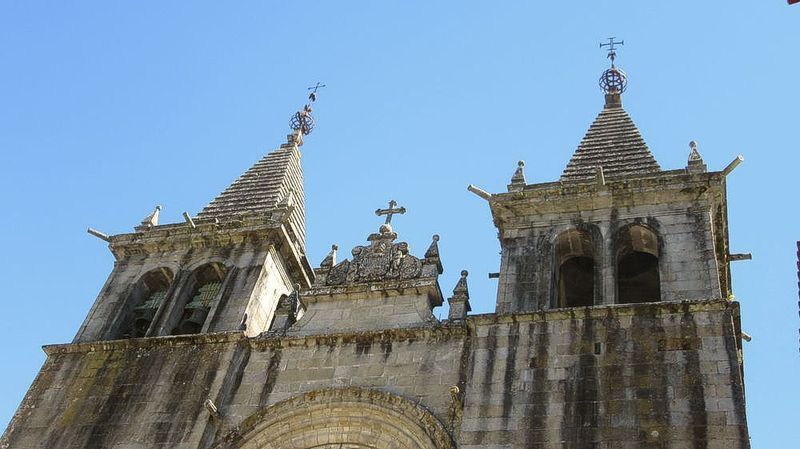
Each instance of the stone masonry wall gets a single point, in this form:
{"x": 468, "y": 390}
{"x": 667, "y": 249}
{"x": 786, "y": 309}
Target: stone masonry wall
{"x": 123, "y": 395}
{"x": 648, "y": 375}
{"x": 662, "y": 376}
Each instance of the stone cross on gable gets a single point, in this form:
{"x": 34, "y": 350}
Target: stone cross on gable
{"x": 390, "y": 211}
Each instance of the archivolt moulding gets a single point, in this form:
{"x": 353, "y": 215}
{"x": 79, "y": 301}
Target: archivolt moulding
{"x": 340, "y": 417}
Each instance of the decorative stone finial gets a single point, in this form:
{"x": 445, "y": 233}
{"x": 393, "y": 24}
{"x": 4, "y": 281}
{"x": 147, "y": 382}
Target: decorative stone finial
{"x": 461, "y": 290}
{"x": 695, "y": 163}
{"x": 330, "y": 260}
{"x": 518, "y": 180}
{"x": 433, "y": 250}
{"x": 694, "y": 155}
{"x": 432, "y": 254}
{"x": 152, "y": 219}
{"x": 459, "y": 302}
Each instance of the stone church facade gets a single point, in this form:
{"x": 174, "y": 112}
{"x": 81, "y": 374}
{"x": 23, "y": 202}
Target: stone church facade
{"x": 613, "y": 325}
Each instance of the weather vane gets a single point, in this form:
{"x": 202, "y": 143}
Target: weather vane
{"x": 613, "y": 81}
{"x": 303, "y": 121}
{"x": 313, "y": 95}
{"x": 611, "y": 44}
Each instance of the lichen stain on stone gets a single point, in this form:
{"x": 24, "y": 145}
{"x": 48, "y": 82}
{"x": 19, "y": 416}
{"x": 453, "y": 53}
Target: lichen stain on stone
{"x": 83, "y": 385}
{"x": 363, "y": 347}
{"x": 611, "y": 373}
{"x": 693, "y": 380}
{"x": 650, "y": 374}
{"x": 386, "y": 349}
{"x": 539, "y": 395}
{"x": 488, "y": 368}
{"x": 273, "y": 369}
{"x": 510, "y": 371}
{"x": 121, "y": 385}
{"x": 579, "y": 422}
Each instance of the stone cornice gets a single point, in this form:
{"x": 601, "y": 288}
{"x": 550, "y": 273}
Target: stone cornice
{"x": 513, "y": 209}
{"x": 207, "y": 233}
{"x": 599, "y": 312}
{"x": 677, "y": 179}
{"x": 211, "y": 233}
{"x": 138, "y": 343}
{"x": 439, "y": 332}
{"x": 275, "y": 340}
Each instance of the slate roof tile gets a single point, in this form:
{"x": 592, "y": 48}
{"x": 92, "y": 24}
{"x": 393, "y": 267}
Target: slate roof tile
{"x": 259, "y": 189}
{"x": 613, "y": 142}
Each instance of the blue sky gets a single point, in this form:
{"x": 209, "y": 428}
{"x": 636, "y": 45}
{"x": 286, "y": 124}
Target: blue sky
{"x": 108, "y": 109}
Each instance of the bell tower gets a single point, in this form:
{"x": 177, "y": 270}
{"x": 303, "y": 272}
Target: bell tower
{"x": 224, "y": 269}
{"x": 616, "y": 228}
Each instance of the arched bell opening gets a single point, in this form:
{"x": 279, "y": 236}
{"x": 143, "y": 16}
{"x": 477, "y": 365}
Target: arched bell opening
{"x": 148, "y": 294}
{"x": 204, "y": 289}
{"x": 638, "y": 277}
{"x": 575, "y": 275}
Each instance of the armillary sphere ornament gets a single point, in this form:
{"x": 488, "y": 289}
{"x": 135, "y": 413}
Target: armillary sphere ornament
{"x": 302, "y": 121}
{"x": 613, "y": 81}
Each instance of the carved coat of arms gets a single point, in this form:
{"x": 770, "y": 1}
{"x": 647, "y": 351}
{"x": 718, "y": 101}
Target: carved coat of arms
{"x": 381, "y": 260}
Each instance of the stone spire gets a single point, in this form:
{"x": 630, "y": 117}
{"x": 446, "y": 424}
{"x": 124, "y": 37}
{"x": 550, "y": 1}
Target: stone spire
{"x": 274, "y": 185}
{"x": 613, "y": 141}
{"x": 276, "y": 178}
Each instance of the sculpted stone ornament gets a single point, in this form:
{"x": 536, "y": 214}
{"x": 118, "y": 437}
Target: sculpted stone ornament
{"x": 381, "y": 260}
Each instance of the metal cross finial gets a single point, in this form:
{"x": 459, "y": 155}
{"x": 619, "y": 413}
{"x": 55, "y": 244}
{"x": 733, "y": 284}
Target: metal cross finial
{"x": 611, "y": 44}
{"x": 313, "y": 95}
{"x": 390, "y": 211}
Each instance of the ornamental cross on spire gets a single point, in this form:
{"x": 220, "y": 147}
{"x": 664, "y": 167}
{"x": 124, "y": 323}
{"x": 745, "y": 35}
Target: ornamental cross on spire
{"x": 390, "y": 211}
{"x": 611, "y": 44}
{"x": 313, "y": 95}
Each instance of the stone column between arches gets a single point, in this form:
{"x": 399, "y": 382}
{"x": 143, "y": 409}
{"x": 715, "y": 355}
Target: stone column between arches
{"x": 341, "y": 418}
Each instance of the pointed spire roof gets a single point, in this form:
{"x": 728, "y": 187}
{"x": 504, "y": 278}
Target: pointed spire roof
{"x": 276, "y": 178}
{"x": 614, "y": 143}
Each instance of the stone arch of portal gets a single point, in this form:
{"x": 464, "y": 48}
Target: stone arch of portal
{"x": 352, "y": 418}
